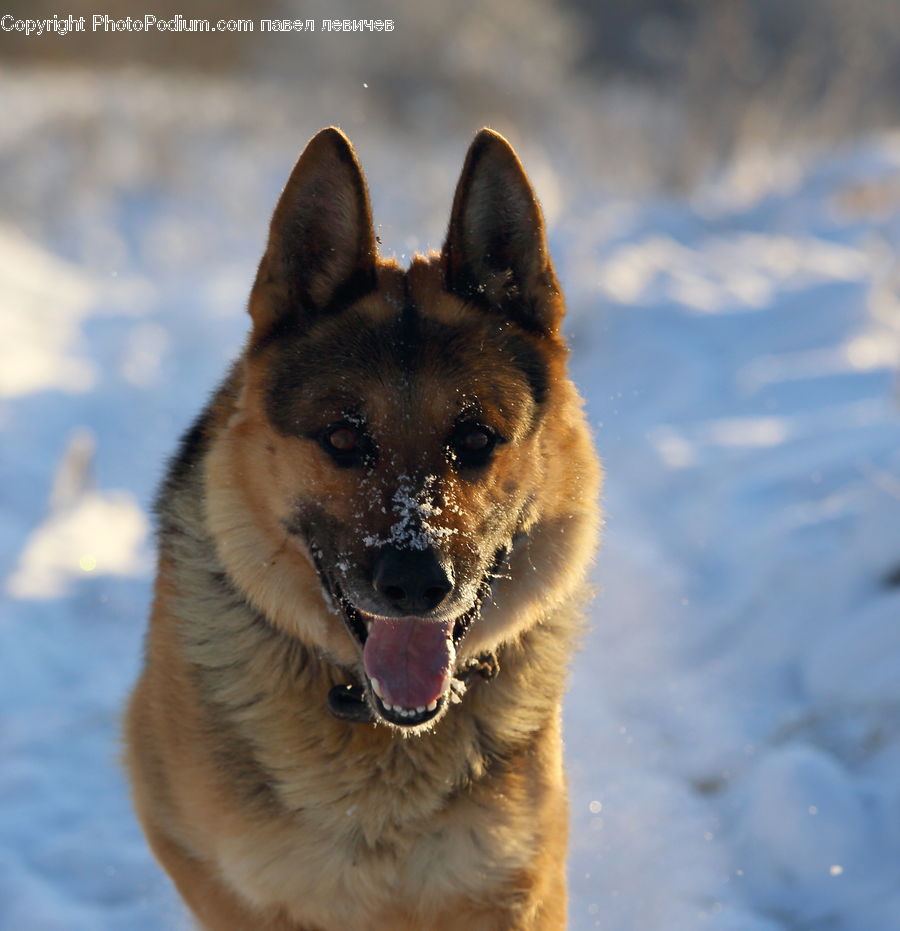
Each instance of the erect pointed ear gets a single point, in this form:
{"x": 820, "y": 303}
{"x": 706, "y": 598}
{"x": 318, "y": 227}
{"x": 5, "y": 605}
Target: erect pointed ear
{"x": 496, "y": 249}
{"x": 321, "y": 251}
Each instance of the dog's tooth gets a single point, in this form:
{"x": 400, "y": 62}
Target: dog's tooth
{"x": 432, "y": 706}
{"x": 376, "y": 688}
{"x": 420, "y": 709}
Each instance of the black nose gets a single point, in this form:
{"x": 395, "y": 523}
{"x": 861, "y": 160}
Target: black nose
{"x": 412, "y": 581}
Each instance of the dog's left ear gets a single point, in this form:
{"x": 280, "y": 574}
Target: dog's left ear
{"x": 496, "y": 248}
{"x": 321, "y": 252}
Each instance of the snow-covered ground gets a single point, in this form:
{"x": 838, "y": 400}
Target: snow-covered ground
{"x": 733, "y": 726}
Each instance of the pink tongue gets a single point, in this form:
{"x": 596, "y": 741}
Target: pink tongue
{"x": 410, "y": 658}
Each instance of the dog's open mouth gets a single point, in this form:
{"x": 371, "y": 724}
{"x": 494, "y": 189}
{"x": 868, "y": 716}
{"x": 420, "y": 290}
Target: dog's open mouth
{"x": 409, "y": 663}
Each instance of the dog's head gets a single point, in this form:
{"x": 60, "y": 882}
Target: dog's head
{"x": 407, "y": 439}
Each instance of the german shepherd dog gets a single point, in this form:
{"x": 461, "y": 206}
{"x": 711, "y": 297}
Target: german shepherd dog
{"x": 372, "y": 549}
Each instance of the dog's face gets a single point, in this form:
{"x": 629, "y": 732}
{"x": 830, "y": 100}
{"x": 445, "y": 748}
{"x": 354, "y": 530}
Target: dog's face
{"x": 397, "y": 430}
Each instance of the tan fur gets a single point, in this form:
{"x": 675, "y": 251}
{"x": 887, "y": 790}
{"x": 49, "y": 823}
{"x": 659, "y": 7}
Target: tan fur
{"x": 269, "y": 813}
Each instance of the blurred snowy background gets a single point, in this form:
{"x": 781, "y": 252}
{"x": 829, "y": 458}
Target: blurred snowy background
{"x": 722, "y": 185}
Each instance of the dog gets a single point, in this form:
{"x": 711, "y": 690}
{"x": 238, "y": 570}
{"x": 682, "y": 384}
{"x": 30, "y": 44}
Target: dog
{"x": 372, "y": 554}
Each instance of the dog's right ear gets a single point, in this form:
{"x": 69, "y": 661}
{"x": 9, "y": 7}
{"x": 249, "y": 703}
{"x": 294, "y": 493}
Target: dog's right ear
{"x": 321, "y": 251}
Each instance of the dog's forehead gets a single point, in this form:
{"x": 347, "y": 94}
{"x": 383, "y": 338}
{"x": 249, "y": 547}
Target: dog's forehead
{"x": 406, "y": 360}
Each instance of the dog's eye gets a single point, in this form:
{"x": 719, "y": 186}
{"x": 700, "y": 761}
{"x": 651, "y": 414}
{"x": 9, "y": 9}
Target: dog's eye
{"x": 475, "y": 441}
{"x": 472, "y": 444}
{"x": 346, "y": 444}
{"x": 343, "y": 439}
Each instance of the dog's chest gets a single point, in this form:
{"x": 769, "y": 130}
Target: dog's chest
{"x": 337, "y": 868}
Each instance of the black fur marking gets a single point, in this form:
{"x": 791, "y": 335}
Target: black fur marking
{"x": 192, "y": 447}
{"x": 409, "y": 332}
{"x": 353, "y": 289}
{"x": 362, "y": 350}
{"x": 307, "y": 360}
